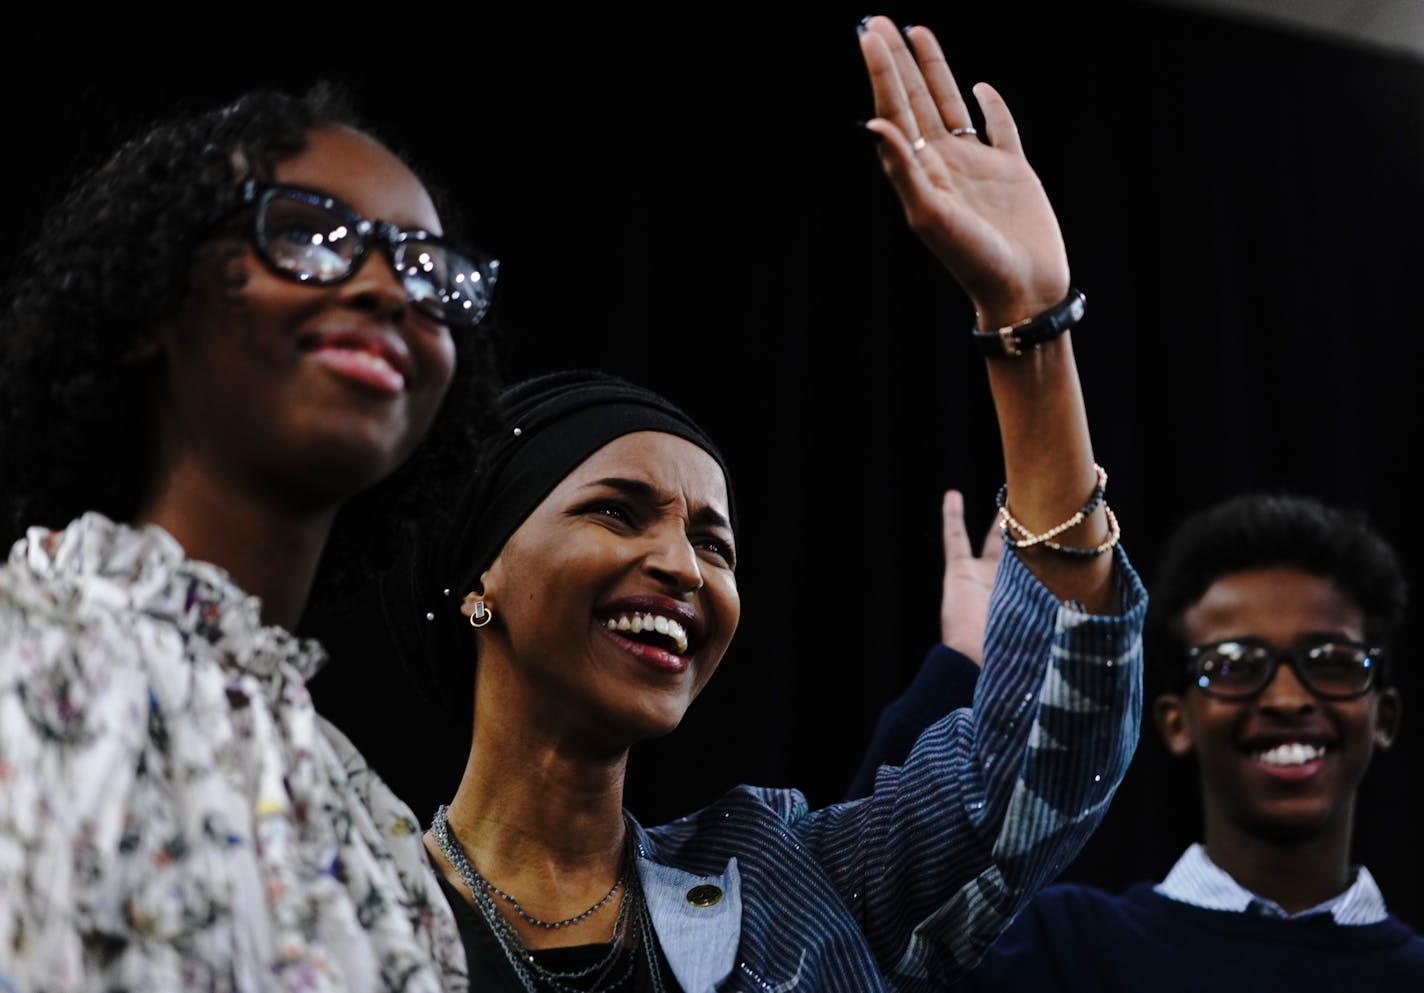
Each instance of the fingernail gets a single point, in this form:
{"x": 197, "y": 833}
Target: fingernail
{"x": 874, "y": 135}
{"x": 860, "y": 28}
{"x": 906, "y": 29}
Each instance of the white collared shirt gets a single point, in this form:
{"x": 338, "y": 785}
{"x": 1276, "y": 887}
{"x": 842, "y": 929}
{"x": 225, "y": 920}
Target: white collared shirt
{"x": 1199, "y": 881}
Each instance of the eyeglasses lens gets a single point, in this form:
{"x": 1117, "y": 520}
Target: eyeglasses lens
{"x": 1338, "y": 670}
{"x": 442, "y": 283}
{"x": 1329, "y": 669}
{"x": 315, "y": 242}
{"x": 307, "y": 240}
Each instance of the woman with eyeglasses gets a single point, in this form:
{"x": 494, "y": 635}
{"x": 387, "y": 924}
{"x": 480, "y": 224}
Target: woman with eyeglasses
{"x": 218, "y": 360}
{"x": 587, "y": 593}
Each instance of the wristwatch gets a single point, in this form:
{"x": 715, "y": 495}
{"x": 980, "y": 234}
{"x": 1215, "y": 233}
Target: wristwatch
{"x": 1014, "y": 339}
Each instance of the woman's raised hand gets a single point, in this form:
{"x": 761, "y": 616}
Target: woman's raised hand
{"x": 979, "y": 207}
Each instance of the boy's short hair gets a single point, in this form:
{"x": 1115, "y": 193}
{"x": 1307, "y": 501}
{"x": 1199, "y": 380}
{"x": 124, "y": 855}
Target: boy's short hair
{"x": 1260, "y": 530}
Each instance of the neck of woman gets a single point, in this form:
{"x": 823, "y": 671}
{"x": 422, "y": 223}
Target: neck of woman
{"x": 269, "y": 550}
{"x": 542, "y": 820}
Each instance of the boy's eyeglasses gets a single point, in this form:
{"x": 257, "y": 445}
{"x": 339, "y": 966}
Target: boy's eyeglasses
{"x": 312, "y": 238}
{"x": 1237, "y": 669}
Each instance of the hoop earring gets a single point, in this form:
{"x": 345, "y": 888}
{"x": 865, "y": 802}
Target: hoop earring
{"x": 481, "y": 615}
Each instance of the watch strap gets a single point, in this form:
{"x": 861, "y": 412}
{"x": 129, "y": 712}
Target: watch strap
{"x": 1014, "y": 339}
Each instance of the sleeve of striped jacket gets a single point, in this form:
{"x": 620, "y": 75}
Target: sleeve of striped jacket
{"x": 992, "y": 802}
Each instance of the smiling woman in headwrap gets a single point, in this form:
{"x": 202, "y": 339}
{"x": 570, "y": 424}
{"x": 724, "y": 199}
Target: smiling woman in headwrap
{"x": 588, "y": 592}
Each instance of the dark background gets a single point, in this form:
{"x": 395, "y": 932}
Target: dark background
{"x": 688, "y": 201}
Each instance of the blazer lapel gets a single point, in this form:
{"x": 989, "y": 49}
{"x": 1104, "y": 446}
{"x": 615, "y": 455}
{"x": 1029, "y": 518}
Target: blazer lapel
{"x": 698, "y": 920}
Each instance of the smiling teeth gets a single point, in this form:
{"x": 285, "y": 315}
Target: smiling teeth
{"x": 1293, "y": 753}
{"x": 638, "y": 623}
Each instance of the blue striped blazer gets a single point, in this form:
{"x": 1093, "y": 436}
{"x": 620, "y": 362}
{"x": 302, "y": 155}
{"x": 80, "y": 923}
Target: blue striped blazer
{"x": 904, "y": 889}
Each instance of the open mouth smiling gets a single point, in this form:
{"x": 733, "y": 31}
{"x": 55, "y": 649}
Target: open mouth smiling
{"x": 1291, "y": 753}
{"x": 652, "y": 629}
{"x": 668, "y": 626}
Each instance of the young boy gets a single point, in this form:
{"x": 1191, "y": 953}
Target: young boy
{"x": 1268, "y": 630}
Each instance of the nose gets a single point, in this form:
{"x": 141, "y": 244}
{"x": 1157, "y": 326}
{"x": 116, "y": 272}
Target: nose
{"x": 673, "y": 561}
{"x": 1286, "y": 694}
{"x": 373, "y": 289}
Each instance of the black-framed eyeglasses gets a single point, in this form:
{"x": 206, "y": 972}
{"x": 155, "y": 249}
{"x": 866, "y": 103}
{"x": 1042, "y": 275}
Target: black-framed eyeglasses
{"x": 313, "y": 238}
{"x": 1236, "y": 668}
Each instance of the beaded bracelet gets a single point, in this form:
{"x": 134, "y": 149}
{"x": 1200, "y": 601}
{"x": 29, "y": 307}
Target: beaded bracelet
{"x": 1029, "y": 539}
{"x": 1076, "y": 552}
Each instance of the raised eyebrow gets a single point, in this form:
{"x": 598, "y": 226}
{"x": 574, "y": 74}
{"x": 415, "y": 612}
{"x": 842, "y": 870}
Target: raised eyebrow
{"x": 637, "y": 488}
{"x": 705, "y": 516}
{"x": 711, "y": 517}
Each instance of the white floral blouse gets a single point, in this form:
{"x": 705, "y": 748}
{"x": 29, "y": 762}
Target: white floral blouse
{"x": 173, "y": 813}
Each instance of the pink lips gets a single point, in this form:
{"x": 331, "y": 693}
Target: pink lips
{"x": 1291, "y": 773}
{"x": 652, "y": 655}
{"x": 658, "y": 658}
{"x": 370, "y": 359}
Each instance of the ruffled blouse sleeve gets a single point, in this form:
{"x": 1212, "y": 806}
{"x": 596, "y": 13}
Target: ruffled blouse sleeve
{"x": 173, "y": 813}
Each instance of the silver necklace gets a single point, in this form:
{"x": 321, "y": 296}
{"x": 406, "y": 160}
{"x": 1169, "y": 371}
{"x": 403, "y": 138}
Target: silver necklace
{"x": 519, "y": 910}
{"x": 530, "y": 972}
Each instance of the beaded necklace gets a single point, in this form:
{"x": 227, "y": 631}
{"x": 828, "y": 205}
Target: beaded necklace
{"x": 597, "y": 977}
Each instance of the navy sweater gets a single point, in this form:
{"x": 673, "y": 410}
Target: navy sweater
{"x": 1074, "y": 938}
{"x": 1077, "y": 938}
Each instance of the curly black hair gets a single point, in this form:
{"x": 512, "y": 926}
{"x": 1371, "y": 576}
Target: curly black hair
{"x": 73, "y": 416}
{"x": 1260, "y": 530}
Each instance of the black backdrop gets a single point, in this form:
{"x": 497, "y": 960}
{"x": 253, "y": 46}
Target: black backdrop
{"x": 687, "y": 200}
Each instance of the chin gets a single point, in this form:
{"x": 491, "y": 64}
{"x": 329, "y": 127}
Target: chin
{"x": 1292, "y": 826}
{"x": 345, "y": 462}
{"x": 380, "y": 433}
{"x": 651, "y": 730}
{"x": 327, "y": 475}
{"x": 649, "y": 725}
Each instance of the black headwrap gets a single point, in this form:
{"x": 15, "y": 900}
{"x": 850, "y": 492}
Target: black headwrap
{"x": 550, "y": 425}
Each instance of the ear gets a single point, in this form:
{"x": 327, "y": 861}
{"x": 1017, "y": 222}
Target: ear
{"x": 480, "y": 592}
{"x": 1169, "y": 711}
{"x": 470, "y": 599}
{"x": 241, "y": 168}
{"x": 1387, "y": 713}
{"x": 467, "y": 605}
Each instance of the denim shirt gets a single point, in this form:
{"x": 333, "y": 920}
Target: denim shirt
{"x": 904, "y": 889}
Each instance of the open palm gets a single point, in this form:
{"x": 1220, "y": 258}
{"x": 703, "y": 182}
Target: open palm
{"x": 979, "y": 207}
